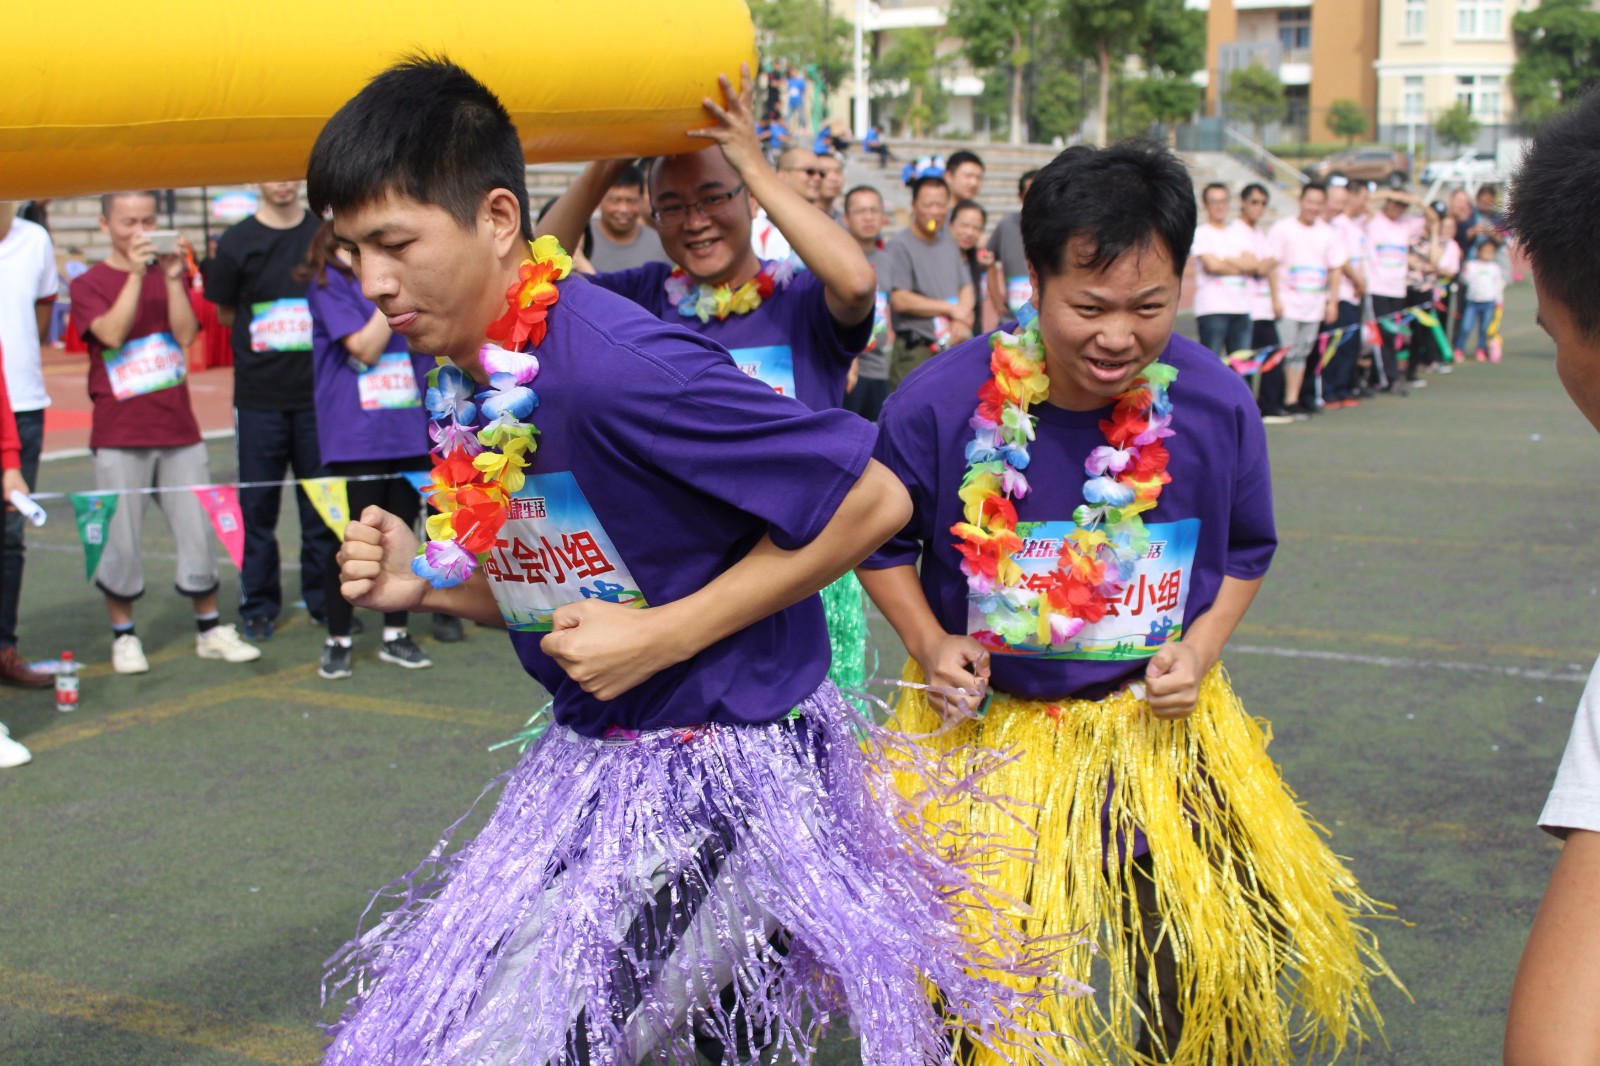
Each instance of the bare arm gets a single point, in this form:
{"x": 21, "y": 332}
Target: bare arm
{"x": 948, "y": 660}
{"x": 1552, "y": 1020}
{"x": 1216, "y": 264}
{"x": 996, "y": 285}
{"x": 225, "y": 315}
{"x": 610, "y": 649}
{"x": 908, "y": 302}
{"x": 368, "y": 342}
{"x": 827, "y": 249}
{"x": 1175, "y": 672}
{"x": 180, "y": 312}
{"x": 569, "y": 215}
{"x": 113, "y": 326}
{"x": 41, "y": 315}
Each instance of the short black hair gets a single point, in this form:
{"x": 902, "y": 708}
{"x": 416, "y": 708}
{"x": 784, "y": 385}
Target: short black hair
{"x": 1313, "y": 186}
{"x": 969, "y": 205}
{"x": 1554, "y": 211}
{"x": 1205, "y": 192}
{"x": 958, "y": 158}
{"x": 1254, "y": 187}
{"x": 861, "y": 189}
{"x": 1022, "y": 182}
{"x": 629, "y": 177}
{"x": 425, "y": 129}
{"x": 1119, "y": 198}
{"x": 918, "y": 184}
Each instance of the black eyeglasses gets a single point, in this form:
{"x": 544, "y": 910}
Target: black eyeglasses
{"x": 1256, "y": 203}
{"x": 810, "y": 172}
{"x": 708, "y": 205}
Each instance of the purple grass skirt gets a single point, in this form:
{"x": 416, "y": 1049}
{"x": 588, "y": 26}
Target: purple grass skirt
{"x": 731, "y": 885}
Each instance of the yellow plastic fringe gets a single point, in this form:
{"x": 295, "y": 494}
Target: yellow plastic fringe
{"x": 1264, "y": 920}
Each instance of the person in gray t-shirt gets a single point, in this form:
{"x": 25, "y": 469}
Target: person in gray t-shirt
{"x": 1008, "y": 283}
{"x": 863, "y": 219}
{"x": 930, "y": 292}
{"x": 621, "y": 239}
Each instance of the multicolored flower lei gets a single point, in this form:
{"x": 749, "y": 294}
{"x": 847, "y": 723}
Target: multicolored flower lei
{"x": 705, "y": 303}
{"x": 1125, "y": 478}
{"x": 481, "y": 441}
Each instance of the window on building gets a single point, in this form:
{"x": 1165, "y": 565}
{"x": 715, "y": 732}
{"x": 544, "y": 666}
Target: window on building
{"x": 1416, "y": 19}
{"x": 1481, "y": 94}
{"x": 1294, "y": 30}
{"x": 1481, "y": 19}
{"x": 1411, "y": 102}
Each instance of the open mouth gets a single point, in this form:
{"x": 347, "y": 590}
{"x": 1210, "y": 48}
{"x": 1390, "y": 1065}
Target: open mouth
{"x": 1108, "y": 370}
{"x": 701, "y": 247}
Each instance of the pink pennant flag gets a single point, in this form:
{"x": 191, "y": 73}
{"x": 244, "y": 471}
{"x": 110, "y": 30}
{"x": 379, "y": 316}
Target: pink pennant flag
{"x": 222, "y": 506}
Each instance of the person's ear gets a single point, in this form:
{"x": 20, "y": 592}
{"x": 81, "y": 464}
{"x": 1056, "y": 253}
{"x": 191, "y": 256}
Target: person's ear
{"x": 501, "y": 211}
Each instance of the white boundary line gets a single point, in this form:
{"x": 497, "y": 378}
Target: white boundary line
{"x": 1522, "y": 672}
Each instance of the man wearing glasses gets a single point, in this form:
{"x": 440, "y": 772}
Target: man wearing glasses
{"x": 1263, "y": 287}
{"x": 796, "y": 330}
{"x": 800, "y": 170}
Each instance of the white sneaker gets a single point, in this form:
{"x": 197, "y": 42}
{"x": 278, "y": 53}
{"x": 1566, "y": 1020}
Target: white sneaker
{"x": 224, "y": 642}
{"x": 127, "y": 655}
{"x": 12, "y": 753}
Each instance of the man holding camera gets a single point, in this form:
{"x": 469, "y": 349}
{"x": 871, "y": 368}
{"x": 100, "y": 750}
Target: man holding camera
{"x": 137, "y": 320}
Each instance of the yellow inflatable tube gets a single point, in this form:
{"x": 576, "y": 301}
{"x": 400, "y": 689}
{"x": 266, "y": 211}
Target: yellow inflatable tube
{"x": 109, "y": 95}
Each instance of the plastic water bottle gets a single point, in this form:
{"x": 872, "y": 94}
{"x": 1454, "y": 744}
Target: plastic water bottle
{"x": 67, "y": 683}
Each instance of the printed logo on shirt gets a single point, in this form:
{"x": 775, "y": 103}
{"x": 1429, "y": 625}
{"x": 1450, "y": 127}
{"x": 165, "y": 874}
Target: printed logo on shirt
{"x": 1308, "y": 279}
{"x": 1019, "y": 290}
{"x": 280, "y": 326}
{"x": 553, "y": 551}
{"x": 772, "y": 363}
{"x": 1148, "y": 614}
{"x": 1391, "y": 256}
{"x": 149, "y": 364}
{"x": 389, "y": 384}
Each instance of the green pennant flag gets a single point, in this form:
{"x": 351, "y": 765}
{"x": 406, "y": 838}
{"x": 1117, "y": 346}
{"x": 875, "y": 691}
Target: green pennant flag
{"x": 93, "y": 512}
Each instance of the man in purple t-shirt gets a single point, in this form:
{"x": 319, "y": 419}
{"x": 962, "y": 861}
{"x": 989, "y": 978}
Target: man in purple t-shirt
{"x": 1086, "y": 538}
{"x": 802, "y": 335}
{"x": 703, "y": 815}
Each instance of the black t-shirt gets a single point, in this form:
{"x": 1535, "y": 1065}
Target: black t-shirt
{"x": 251, "y": 272}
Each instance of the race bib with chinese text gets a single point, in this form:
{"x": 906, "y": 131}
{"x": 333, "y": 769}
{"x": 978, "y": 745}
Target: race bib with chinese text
{"x": 1148, "y": 614}
{"x": 280, "y": 326}
{"x": 389, "y": 384}
{"x": 148, "y": 364}
{"x": 772, "y": 363}
{"x": 1308, "y": 279}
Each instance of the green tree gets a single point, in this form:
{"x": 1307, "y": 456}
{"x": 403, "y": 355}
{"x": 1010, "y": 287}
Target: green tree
{"x": 909, "y": 77}
{"x": 1169, "y": 100}
{"x": 1104, "y": 31}
{"x": 1255, "y": 95}
{"x": 804, "y": 32}
{"x": 1346, "y": 119}
{"x": 1558, "y": 47}
{"x": 1456, "y": 127}
{"x": 1174, "y": 38}
{"x": 994, "y": 36}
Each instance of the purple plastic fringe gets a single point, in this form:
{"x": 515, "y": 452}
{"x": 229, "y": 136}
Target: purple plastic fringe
{"x": 774, "y": 858}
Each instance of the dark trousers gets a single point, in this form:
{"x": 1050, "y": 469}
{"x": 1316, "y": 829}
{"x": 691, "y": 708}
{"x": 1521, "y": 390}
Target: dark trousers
{"x": 1269, "y": 391}
{"x": 1224, "y": 334}
{"x": 269, "y": 444}
{"x": 394, "y": 495}
{"x": 1339, "y": 372}
{"x": 1390, "y": 352}
{"x": 1424, "y": 345}
{"x": 30, "y": 427}
{"x": 866, "y": 399}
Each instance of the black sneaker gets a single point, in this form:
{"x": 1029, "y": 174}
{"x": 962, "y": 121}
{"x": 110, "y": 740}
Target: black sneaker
{"x": 258, "y": 627}
{"x": 335, "y": 662}
{"x": 403, "y": 651}
{"x": 447, "y": 629}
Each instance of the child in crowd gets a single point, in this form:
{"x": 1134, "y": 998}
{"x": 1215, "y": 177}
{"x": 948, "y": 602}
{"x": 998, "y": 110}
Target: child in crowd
{"x": 1485, "y": 280}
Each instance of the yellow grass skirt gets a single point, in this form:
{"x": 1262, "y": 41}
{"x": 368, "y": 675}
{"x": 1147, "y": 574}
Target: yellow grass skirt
{"x": 1265, "y": 922}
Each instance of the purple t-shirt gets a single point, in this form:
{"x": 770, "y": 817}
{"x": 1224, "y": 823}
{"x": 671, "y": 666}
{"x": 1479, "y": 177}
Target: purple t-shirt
{"x": 362, "y": 416}
{"x": 1214, "y": 519}
{"x": 790, "y": 341}
{"x": 659, "y": 466}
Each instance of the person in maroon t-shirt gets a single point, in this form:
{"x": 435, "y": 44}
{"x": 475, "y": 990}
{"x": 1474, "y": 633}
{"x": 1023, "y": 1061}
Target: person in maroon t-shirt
{"x": 138, "y": 322}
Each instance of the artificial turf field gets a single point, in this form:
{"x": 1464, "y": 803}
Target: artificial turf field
{"x": 187, "y": 848}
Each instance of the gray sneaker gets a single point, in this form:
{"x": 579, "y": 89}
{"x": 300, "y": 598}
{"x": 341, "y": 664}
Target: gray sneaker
{"x": 335, "y": 662}
{"x": 403, "y": 651}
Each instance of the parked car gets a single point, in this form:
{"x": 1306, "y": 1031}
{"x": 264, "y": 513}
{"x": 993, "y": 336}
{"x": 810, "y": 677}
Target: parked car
{"x": 1469, "y": 166}
{"x": 1382, "y": 165}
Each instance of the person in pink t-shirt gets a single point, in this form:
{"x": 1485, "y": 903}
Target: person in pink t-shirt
{"x": 1389, "y": 236}
{"x": 1308, "y": 252}
{"x": 1225, "y": 263}
{"x": 1346, "y": 212}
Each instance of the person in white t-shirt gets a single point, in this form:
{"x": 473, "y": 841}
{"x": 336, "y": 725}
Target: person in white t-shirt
{"x": 1346, "y": 212}
{"x": 1225, "y": 261}
{"x": 1552, "y": 1020}
{"x": 1308, "y": 253}
{"x": 28, "y": 286}
{"x": 1486, "y": 287}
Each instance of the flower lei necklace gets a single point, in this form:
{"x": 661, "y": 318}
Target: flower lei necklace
{"x": 478, "y": 465}
{"x": 1125, "y": 477}
{"x": 705, "y": 303}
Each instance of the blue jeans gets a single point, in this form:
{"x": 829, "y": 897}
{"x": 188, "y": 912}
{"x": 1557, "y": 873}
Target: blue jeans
{"x": 1477, "y": 316}
{"x": 30, "y": 427}
{"x": 269, "y": 444}
{"x": 1224, "y": 334}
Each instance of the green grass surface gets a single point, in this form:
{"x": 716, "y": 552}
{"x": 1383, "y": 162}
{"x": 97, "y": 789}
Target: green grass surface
{"x": 187, "y": 848}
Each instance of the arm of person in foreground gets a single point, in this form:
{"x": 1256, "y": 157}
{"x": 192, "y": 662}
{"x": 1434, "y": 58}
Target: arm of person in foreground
{"x": 1172, "y": 679}
{"x": 1552, "y": 1020}
{"x": 375, "y": 573}
{"x": 368, "y": 343}
{"x": 948, "y": 660}
{"x": 849, "y": 284}
{"x": 609, "y": 649}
